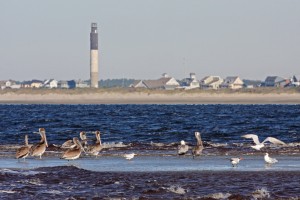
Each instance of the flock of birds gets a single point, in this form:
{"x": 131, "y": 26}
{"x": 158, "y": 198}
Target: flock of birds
{"x": 75, "y": 147}
{"x": 183, "y": 148}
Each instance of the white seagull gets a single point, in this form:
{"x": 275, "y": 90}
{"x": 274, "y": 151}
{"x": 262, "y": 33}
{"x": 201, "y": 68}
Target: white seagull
{"x": 270, "y": 160}
{"x": 182, "y": 148}
{"x": 235, "y": 161}
{"x": 129, "y": 156}
{"x": 258, "y": 145}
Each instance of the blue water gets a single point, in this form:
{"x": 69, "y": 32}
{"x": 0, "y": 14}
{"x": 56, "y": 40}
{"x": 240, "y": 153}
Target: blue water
{"x": 150, "y": 123}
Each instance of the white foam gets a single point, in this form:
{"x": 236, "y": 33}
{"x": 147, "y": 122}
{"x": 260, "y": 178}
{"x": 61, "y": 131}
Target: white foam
{"x": 176, "y": 189}
{"x": 52, "y": 192}
{"x": 261, "y": 193}
{"x": 218, "y": 195}
{"x": 7, "y": 191}
{"x": 114, "y": 145}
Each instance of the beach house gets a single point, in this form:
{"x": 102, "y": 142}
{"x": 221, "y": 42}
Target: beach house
{"x": 190, "y": 83}
{"x": 295, "y": 80}
{"x": 211, "y": 82}
{"x": 165, "y": 82}
{"x": 275, "y": 81}
{"x": 232, "y": 82}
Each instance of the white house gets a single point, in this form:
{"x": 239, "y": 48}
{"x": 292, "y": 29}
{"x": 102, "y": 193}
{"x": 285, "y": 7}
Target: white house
{"x": 295, "y": 80}
{"x": 191, "y": 82}
{"x": 211, "y": 82}
{"x": 50, "y": 83}
{"x": 232, "y": 82}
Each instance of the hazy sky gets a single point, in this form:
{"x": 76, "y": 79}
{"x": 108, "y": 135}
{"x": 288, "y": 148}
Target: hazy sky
{"x": 142, "y": 39}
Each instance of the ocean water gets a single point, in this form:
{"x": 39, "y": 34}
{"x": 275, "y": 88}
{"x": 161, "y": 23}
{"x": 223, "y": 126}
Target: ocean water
{"x": 142, "y": 124}
{"x": 153, "y": 132}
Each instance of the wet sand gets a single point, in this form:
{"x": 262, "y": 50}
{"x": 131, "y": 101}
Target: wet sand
{"x": 150, "y": 98}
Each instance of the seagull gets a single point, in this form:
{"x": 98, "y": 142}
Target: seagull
{"x": 75, "y": 152}
{"x": 197, "y": 150}
{"x": 97, "y": 147}
{"x": 235, "y": 161}
{"x": 270, "y": 160}
{"x": 182, "y": 148}
{"x": 129, "y": 156}
{"x": 70, "y": 144}
{"x": 259, "y": 145}
{"x": 23, "y": 151}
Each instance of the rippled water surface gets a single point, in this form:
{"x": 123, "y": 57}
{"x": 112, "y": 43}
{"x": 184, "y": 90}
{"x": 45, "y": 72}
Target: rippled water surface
{"x": 150, "y": 123}
{"x": 153, "y": 132}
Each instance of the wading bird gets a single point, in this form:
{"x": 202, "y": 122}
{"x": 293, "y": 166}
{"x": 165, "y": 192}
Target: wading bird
{"x": 182, "y": 148}
{"x": 269, "y": 160}
{"x": 235, "y": 161}
{"x": 97, "y": 147}
{"x": 197, "y": 150}
{"x": 70, "y": 144}
{"x": 75, "y": 152}
{"x": 129, "y": 156}
{"x": 23, "y": 151}
{"x": 40, "y": 148}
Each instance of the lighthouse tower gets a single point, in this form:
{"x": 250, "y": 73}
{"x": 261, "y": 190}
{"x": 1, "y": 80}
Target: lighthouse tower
{"x": 94, "y": 76}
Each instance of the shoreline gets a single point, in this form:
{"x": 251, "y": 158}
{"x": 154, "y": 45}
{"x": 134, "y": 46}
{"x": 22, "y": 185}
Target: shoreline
{"x": 150, "y": 98}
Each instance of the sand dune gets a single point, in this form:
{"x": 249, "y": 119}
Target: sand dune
{"x": 150, "y": 98}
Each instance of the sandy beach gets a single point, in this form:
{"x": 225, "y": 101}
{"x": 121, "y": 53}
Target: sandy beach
{"x": 150, "y": 98}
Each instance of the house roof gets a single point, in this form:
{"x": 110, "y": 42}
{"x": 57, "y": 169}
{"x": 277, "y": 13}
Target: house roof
{"x": 274, "y": 79}
{"x": 157, "y": 83}
{"x": 296, "y": 78}
{"x": 230, "y": 79}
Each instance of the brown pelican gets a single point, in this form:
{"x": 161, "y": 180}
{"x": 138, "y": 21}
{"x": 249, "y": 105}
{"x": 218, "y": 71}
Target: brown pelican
{"x": 235, "y": 161}
{"x": 39, "y": 148}
{"x": 129, "y": 156}
{"x": 270, "y": 160}
{"x": 70, "y": 144}
{"x": 23, "y": 151}
{"x": 97, "y": 147}
{"x": 259, "y": 145}
{"x": 75, "y": 152}
{"x": 182, "y": 148}
{"x": 197, "y": 150}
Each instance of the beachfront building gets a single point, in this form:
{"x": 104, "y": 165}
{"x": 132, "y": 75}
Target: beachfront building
{"x": 138, "y": 84}
{"x": 50, "y": 83}
{"x": 9, "y": 84}
{"x": 275, "y": 81}
{"x": 295, "y": 80}
{"x": 67, "y": 84}
{"x": 211, "y": 82}
{"x": 36, "y": 84}
{"x": 232, "y": 82}
{"x": 190, "y": 83}
{"x": 165, "y": 82}
{"x": 81, "y": 84}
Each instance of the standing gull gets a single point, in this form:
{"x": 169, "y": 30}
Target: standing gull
{"x": 23, "y": 151}
{"x": 235, "y": 161}
{"x": 40, "y": 148}
{"x": 129, "y": 156}
{"x": 197, "y": 150}
{"x": 75, "y": 152}
{"x": 269, "y": 160}
{"x": 258, "y": 145}
{"x": 182, "y": 148}
{"x": 97, "y": 147}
